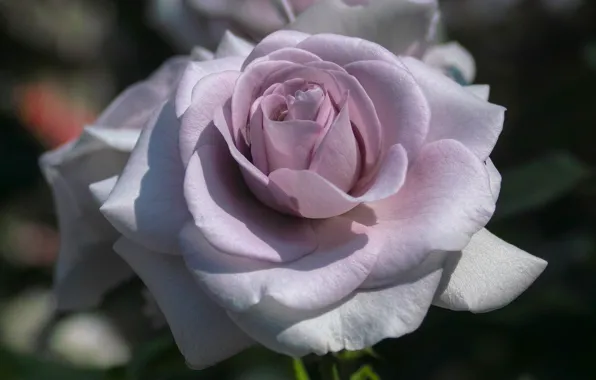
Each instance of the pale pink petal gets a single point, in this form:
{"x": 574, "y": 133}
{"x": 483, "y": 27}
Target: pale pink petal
{"x": 101, "y": 190}
{"x": 133, "y": 108}
{"x": 256, "y": 180}
{"x": 354, "y": 323}
{"x": 275, "y": 41}
{"x": 445, "y": 200}
{"x": 86, "y": 267}
{"x": 209, "y": 94}
{"x": 487, "y": 275}
{"x": 343, "y": 50}
{"x": 400, "y": 104}
{"x": 306, "y": 103}
{"x": 309, "y": 195}
{"x": 338, "y": 266}
{"x": 196, "y": 321}
{"x": 258, "y": 148}
{"x": 338, "y": 85}
{"x": 456, "y": 113}
{"x": 289, "y": 144}
{"x": 232, "y": 45}
{"x": 147, "y": 204}
{"x": 196, "y": 71}
{"x": 480, "y": 90}
{"x": 402, "y": 26}
{"x": 451, "y": 56}
{"x": 495, "y": 179}
{"x": 293, "y": 55}
{"x": 231, "y": 220}
{"x": 250, "y": 85}
{"x": 337, "y": 157}
{"x": 82, "y": 284}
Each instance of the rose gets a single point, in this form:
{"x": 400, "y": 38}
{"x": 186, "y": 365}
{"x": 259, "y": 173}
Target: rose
{"x": 390, "y": 23}
{"x": 86, "y": 266}
{"x": 319, "y": 198}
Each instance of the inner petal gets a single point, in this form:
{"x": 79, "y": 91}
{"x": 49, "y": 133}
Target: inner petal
{"x": 288, "y": 143}
{"x": 305, "y": 103}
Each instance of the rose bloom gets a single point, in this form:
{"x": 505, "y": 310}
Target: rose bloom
{"x": 317, "y": 195}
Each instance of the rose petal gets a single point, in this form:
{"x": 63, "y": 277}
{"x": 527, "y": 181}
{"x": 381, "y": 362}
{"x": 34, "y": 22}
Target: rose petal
{"x": 289, "y": 144}
{"x": 293, "y": 55}
{"x": 452, "y": 56}
{"x": 254, "y": 178}
{"x": 232, "y": 45}
{"x": 84, "y": 283}
{"x": 337, "y": 84}
{"x": 489, "y": 274}
{"x": 86, "y": 236}
{"x": 275, "y": 41}
{"x": 402, "y": 26}
{"x": 309, "y": 195}
{"x": 337, "y": 158}
{"x": 101, "y": 190}
{"x": 133, "y": 108}
{"x": 495, "y": 179}
{"x": 196, "y": 71}
{"x": 196, "y": 322}
{"x": 354, "y": 323}
{"x": 338, "y": 266}
{"x": 445, "y": 200}
{"x": 249, "y": 86}
{"x": 209, "y": 94}
{"x": 480, "y": 90}
{"x": 229, "y": 217}
{"x": 343, "y": 50}
{"x": 147, "y": 204}
{"x": 400, "y": 104}
{"x": 456, "y": 113}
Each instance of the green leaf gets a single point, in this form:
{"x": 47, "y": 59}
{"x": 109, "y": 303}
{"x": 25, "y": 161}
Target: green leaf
{"x": 299, "y": 369}
{"x": 532, "y": 185}
{"x": 365, "y": 373}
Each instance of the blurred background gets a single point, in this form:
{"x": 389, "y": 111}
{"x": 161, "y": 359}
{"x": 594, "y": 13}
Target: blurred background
{"x": 62, "y": 61}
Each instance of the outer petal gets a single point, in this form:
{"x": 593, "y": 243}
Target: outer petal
{"x": 231, "y": 219}
{"x": 274, "y": 41}
{"x": 133, "y": 108}
{"x": 402, "y": 26}
{"x": 489, "y": 274}
{"x": 203, "y": 332}
{"x": 450, "y": 57}
{"x": 495, "y": 179}
{"x": 456, "y": 113}
{"x": 343, "y": 50}
{"x": 339, "y": 265}
{"x": 354, "y": 323}
{"x": 147, "y": 204}
{"x": 86, "y": 268}
{"x": 401, "y": 106}
{"x": 232, "y": 45}
{"x": 480, "y": 90}
{"x": 196, "y": 71}
{"x": 446, "y": 199}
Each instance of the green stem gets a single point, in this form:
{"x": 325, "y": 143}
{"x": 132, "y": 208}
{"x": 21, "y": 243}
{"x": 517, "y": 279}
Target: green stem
{"x": 300, "y": 369}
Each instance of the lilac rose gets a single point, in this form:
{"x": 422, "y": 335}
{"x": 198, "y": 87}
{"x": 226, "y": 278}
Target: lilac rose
{"x": 320, "y": 196}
